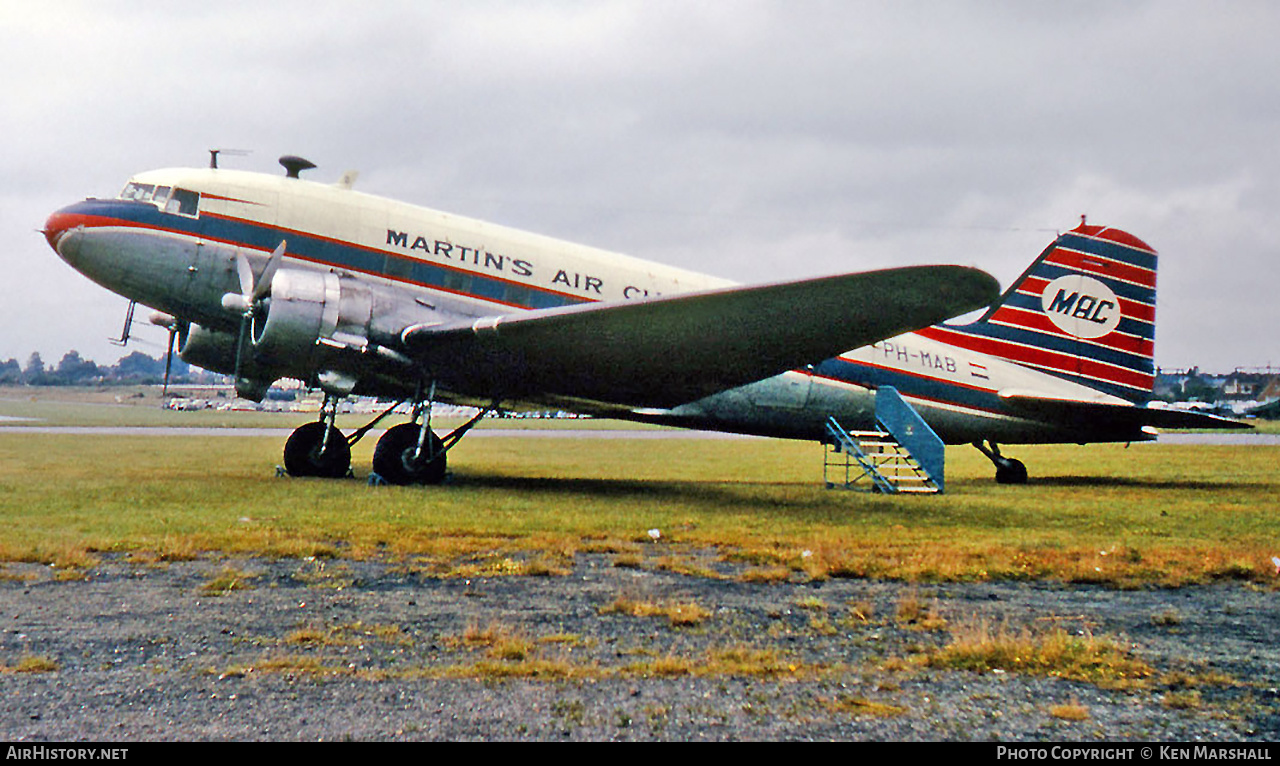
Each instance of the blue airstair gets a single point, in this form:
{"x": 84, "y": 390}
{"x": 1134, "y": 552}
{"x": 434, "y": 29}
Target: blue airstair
{"x": 904, "y": 455}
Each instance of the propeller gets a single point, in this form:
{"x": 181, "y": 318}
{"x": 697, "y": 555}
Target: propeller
{"x": 175, "y": 327}
{"x": 168, "y": 360}
{"x": 251, "y": 294}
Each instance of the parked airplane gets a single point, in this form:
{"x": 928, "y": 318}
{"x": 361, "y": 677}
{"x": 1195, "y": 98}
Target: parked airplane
{"x": 269, "y": 276}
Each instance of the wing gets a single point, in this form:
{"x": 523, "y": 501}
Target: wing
{"x": 1086, "y": 414}
{"x": 666, "y": 351}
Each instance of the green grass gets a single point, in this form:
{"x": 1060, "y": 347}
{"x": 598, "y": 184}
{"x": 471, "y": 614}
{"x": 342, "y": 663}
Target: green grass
{"x": 1147, "y": 514}
{"x": 143, "y": 407}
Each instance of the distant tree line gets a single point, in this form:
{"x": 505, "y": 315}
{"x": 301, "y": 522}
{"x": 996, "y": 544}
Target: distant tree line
{"x": 74, "y": 370}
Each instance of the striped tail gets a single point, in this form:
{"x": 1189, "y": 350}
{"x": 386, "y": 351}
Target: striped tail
{"x": 1084, "y": 311}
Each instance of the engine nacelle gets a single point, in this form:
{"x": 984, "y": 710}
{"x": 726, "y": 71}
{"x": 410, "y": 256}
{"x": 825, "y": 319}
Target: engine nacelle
{"x": 307, "y": 313}
{"x": 301, "y": 330}
{"x": 215, "y": 350}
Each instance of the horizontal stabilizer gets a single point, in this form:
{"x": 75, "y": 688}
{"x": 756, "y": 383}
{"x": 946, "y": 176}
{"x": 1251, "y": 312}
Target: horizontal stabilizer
{"x": 665, "y": 351}
{"x": 1081, "y": 414}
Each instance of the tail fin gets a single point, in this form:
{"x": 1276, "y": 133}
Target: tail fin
{"x": 1084, "y": 310}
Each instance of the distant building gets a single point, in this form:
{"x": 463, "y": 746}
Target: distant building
{"x": 1243, "y": 386}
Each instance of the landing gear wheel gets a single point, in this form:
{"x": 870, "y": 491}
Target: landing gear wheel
{"x": 393, "y": 457}
{"x": 1010, "y": 471}
{"x": 303, "y": 455}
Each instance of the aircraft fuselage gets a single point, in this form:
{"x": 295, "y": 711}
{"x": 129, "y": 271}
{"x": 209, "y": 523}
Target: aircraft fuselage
{"x": 172, "y": 242}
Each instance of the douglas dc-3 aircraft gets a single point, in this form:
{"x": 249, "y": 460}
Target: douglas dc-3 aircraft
{"x": 272, "y": 276}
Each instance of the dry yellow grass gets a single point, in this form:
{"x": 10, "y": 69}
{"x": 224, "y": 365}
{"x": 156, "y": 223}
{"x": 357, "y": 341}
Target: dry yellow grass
{"x": 32, "y": 664}
{"x": 984, "y": 646}
{"x": 679, "y": 613}
{"x": 861, "y": 611}
{"x": 727, "y": 661}
{"x": 312, "y": 637}
{"x": 1071, "y": 711}
{"x": 227, "y": 580}
{"x": 917, "y": 614}
{"x": 859, "y": 706}
{"x": 765, "y": 574}
{"x": 1183, "y": 700}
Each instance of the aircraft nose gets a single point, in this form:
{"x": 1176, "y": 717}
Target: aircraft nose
{"x": 57, "y": 225}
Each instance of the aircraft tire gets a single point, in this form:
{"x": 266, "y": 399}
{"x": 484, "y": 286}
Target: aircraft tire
{"x": 302, "y": 455}
{"x": 1011, "y": 471}
{"x": 393, "y": 457}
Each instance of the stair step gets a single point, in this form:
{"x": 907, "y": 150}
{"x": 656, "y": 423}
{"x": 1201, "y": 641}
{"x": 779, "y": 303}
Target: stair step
{"x": 878, "y": 457}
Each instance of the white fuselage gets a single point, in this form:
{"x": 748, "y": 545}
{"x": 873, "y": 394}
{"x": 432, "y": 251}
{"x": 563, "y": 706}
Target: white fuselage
{"x": 425, "y": 262}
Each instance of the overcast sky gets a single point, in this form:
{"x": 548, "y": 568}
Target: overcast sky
{"x": 753, "y": 140}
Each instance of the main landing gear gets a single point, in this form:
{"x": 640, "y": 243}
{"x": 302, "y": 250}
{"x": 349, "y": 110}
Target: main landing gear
{"x": 410, "y": 453}
{"x": 1008, "y": 470}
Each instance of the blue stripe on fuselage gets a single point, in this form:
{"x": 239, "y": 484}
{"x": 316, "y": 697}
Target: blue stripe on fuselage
{"x": 330, "y": 252}
{"x": 909, "y": 384}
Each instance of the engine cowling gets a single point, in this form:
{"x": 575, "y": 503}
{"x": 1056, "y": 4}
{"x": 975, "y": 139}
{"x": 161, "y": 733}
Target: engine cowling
{"x": 299, "y": 329}
{"x": 305, "y": 313}
{"x": 216, "y": 351}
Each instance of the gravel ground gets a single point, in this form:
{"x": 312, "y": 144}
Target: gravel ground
{"x": 336, "y": 649}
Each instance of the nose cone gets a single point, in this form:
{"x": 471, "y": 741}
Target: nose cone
{"x": 58, "y": 224}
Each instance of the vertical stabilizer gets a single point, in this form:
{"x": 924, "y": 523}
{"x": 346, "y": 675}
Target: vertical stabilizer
{"x": 1084, "y": 310}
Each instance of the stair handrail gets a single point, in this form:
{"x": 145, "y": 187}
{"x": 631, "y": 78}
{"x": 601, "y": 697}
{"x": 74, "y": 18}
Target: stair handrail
{"x": 901, "y": 420}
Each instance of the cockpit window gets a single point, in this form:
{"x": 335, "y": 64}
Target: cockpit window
{"x": 138, "y": 192}
{"x": 169, "y": 199}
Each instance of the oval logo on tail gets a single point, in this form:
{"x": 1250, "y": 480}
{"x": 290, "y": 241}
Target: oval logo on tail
{"x": 1081, "y": 306}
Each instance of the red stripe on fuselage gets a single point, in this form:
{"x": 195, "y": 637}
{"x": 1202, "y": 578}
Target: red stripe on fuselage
{"x": 206, "y": 195}
{"x": 61, "y": 222}
{"x": 379, "y": 251}
{"x": 1041, "y": 358}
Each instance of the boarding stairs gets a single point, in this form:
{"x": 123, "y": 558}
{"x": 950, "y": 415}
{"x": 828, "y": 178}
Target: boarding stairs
{"x": 902, "y": 455}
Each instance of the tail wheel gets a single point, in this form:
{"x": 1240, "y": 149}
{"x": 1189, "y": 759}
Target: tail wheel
{"x": 1010, "y": 471}
{"x": 304, "y": 456}
{"x": 393, "y": 458}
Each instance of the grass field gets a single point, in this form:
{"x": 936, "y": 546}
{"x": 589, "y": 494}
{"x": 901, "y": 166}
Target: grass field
{"x": 143, "y": 407}
{"x": 1123, "y": 516}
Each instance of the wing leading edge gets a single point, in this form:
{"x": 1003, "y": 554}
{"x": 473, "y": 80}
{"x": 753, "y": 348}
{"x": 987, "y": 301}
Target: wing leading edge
{"x": 666, "y": 351}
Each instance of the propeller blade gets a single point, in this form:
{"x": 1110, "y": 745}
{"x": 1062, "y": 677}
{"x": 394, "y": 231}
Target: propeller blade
{"x": 244, "y": 326}
{"x": 168, "y": 359}
{"x": 268, "y": 273}
{"x": 245, "y": 270}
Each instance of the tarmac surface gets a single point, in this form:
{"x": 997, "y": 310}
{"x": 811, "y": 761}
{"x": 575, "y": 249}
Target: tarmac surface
{"x": 382, "y": 650}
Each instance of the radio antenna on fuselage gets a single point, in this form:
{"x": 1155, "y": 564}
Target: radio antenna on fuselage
{"x": 294, "y": 165}
{"x": 213, "y": 155}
